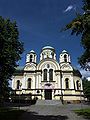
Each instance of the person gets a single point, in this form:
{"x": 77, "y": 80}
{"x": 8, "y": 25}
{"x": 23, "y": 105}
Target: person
{"x": 61, "y": 98}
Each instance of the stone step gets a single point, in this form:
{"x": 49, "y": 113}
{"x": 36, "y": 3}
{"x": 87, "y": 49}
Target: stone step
{"x": 48, "y": 102}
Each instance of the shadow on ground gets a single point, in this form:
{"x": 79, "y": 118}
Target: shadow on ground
{"x": 19, "y": 104}
{"x": 35, "y": 116}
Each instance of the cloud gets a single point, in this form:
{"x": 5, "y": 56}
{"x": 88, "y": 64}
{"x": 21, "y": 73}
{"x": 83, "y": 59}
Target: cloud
{"x": 69, "y": 8}
{"x": 83, "y": 72}
{"x": 88, "y": 78}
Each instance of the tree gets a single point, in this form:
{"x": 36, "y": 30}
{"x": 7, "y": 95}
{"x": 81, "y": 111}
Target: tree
{"x": 86, "y": 88}
{"x": 81, "y": 25}
{"x": 10, "y": 52}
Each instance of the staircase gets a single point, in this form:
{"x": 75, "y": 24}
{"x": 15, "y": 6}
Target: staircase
{"x": 48, "y": 102}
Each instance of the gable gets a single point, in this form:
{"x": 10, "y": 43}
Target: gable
{"x": 66, "y": 67}
{"x": 29, "y": 67}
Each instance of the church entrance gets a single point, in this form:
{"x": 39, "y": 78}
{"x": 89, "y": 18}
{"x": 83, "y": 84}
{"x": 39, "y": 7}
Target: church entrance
{"x": 48, "y": 94}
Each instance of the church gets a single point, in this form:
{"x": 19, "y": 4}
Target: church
{"x": 48, "y": 79}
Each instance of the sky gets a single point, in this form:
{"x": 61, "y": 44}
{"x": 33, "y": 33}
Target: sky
{"x": 40, "y": 22}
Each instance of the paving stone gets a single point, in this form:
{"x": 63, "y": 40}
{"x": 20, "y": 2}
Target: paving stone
{"x": 52, "y": 111}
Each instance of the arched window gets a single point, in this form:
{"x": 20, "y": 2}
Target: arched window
{"x": 42, "y": 56}
{"x": 18, "y": 84}
{"x": 77, "y": 84}
{"x": 74, "y": 85}
{"x": 29, "y": 83}
{"x": 51, "y": 75}
{"x": 31, "y": 57}
{"x": 65, "y": 58}
{"x": 67, "y": 83}
{"x": 45, "y": 75}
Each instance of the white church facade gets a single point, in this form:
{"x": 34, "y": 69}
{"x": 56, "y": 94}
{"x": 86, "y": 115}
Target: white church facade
{"x": 49, "y": 79}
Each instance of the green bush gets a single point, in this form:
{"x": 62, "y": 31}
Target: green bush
{"x": 84, "y": 112}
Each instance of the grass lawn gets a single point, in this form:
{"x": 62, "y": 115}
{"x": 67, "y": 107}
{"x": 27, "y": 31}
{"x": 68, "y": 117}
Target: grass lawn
{"x": 10, "y": 114}
{"x": 84, "y": 112}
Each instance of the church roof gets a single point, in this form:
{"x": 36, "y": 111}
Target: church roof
{"x": 64, "y": 51}
{"x": 48, "y": 47}
{"x": 19, "y": 70}
{"x": 32, "y": 51}
{"x": 76, "y": 72}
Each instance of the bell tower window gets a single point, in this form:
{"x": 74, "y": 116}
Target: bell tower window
{"x": 52, "y": 55}
{"x": 65, "y": 58}
{"x": 31, "y": 58}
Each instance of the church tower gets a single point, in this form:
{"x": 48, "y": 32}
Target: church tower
{"x": 31, "y": 57}
{"x": 64, "y": 57}
{"x": 47, "y": 52}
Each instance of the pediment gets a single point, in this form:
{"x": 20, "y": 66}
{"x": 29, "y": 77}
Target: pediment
{"x": 66, "y": 67}
{"x": 30, "y": 67}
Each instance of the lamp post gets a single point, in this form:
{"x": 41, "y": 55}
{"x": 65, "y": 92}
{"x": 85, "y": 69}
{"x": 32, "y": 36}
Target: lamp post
{"x": 80, "y": 95}
{"x": 19, "y": 93}
{"x": 61, "y": 87}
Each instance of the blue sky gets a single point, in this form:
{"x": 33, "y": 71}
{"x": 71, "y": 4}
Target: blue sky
{"x": 39, "y": 23}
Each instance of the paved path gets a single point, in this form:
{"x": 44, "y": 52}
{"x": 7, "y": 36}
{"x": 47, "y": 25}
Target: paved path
{"x": 51, "y": 112}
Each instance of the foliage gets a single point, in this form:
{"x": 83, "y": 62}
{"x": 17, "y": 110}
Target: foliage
{"x": 10, "y": 50}
{"x": 86, "y": 88}
{"x": 84, "y": 112}
{"x": 81, "y": 25}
